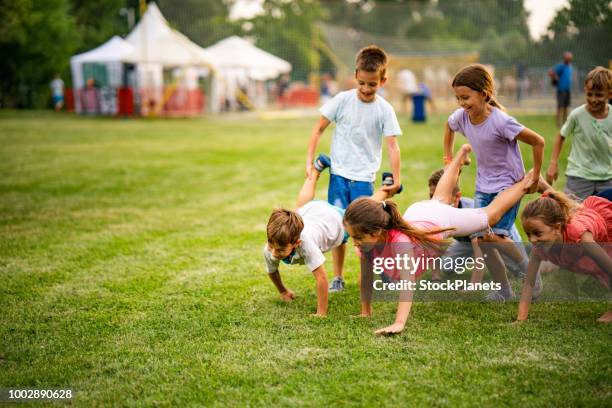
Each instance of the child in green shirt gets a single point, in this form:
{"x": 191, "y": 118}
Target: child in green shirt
{"x": 589, "y": 165}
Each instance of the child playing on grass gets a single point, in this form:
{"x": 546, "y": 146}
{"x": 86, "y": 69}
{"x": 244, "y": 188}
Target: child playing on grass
{"x": 493, "y": 134}
{"x": 589, "y": 165}
{"x": 426, "y": 224}
{"x": 362, "y": 119}
{"x": 468, "y": 246}
{"x": 303, "y": 235}
{"x": 554, "y": 220}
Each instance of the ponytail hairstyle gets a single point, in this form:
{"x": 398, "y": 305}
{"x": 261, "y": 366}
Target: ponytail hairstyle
{"x": 552, "y": 208}
{"x": 368, "y": 216}
{"x": 479, "y": 79}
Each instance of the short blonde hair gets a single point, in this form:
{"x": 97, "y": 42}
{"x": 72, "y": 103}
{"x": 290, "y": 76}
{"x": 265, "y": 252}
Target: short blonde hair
{"x": 600, "y": 78}
{"x": 284, "y": 227}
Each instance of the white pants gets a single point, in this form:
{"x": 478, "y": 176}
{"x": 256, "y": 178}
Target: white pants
{"x": 465, "y": 221}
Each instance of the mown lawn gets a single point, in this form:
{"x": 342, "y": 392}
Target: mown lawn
{"x": 130, "y": 258}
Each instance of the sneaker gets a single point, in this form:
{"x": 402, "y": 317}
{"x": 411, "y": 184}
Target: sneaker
{"x": 499, "y": 296}
{"x": 337, "y": 285}
{"x": 322, "y": 162}
{"x": 387, "y": 180}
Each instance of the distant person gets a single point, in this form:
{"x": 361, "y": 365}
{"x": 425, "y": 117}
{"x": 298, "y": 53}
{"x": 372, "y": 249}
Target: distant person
{"x": 589, "y": 165}
{"x": 329, "y": 87}
{"x": 57, "y": 92}
{"x": 521, "y": 81}
{"x": 561, "y": 77}
{"x": 282, "y": 87}
{"x": 407, "y": 84}
{"x": 90, "y": 97}
{"x": 363, "y": 120}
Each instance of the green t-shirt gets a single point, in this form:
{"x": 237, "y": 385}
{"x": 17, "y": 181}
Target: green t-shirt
{"x": 591, "y": 154}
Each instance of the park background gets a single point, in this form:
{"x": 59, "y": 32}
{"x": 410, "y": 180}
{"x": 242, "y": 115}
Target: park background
{"x": 130, "y": 249}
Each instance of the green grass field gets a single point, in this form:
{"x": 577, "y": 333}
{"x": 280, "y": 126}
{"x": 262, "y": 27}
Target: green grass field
{"x": 130, "y": 257}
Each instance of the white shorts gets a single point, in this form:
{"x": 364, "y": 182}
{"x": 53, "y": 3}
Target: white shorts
{"x": 465, "y": 221}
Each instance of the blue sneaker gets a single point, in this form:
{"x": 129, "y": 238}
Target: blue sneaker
{"x": 322, "y": 162}
{"x": 387, "y": 180}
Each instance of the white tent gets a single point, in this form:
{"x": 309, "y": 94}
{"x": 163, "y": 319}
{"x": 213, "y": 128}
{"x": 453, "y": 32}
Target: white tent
{"x": 155, "y": 42}
{"x": 111, "y": 53}
{"x": 235, "y": 53}
{"x": 152, "y": 46}
{"x": 240, "y": 64}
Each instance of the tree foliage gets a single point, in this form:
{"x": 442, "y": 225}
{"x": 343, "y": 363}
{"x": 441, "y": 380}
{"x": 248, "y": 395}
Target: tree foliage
{"x": 36, "y": 38}
{"x": 583, "y": 27}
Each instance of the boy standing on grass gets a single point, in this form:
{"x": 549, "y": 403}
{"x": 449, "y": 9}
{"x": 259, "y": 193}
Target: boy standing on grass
{"x": 362, "y": 119}
{"x": 589, "y": 165}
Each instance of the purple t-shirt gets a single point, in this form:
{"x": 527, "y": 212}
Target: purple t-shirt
{"x": 500, "y": 163}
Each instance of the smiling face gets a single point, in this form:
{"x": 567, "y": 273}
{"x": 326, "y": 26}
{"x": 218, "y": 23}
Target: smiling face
{"x": 473, "y": 102}
{"x": 281, "y": 252}
{"x": 541, "y": 234}
{"x": 597, "y": 99}
{"x": 367, "y": 84}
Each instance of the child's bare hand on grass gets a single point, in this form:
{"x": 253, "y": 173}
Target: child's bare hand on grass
{"x": 287, "y": 295}
{"x": 395, "y": 328}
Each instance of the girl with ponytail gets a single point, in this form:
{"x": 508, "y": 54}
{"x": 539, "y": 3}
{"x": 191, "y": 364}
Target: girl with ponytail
{"x": 577, "y": 237}
{"x": 494, "y": 136}
{"x": 425, "y": 227}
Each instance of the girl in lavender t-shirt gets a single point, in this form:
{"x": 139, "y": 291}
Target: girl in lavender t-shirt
{"x": 494, "y": 136}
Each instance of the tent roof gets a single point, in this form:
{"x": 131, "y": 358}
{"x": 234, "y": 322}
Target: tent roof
{"x": 112, "y": 50}
{"x": 237, "y": 53}
{"x": 154, "y": 41}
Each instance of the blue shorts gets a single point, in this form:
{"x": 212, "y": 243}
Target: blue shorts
{"x": 505, "y": 224}
{"x": 343, "y": 191}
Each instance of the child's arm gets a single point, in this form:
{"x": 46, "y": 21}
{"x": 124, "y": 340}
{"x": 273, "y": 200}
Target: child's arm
{"x": 315, "y": 136}
{"x": 528, "y": 284}
{"x": 403, "y": 306}
{"x": 393, "y": 150}
{"x": 537, "y": 142}
{"x": 321, "y": 278}
{"x": 286, "y": 294}
{"x": 552, "y": 173}
{"x": 449, "y": 143}
{"x": 478, "y": 272}
{"x": 597, "y": 253}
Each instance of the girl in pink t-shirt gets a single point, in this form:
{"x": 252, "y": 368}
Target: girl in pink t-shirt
{"x": 553, "y": 221}
{"x": 375, "y": 223}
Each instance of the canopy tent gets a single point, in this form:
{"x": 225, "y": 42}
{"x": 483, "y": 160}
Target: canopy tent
{"x": 155, "y": 42}
{"x": 237, "y": 54}
{"x": 110, "y": 53}
{"x": 240, "y": 64}
{"x": 149, "y": 49}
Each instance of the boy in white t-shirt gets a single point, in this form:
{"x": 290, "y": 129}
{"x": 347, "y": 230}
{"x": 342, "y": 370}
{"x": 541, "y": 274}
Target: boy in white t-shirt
{"x": 304, "y": 235}
{"x": 363, "y": 119}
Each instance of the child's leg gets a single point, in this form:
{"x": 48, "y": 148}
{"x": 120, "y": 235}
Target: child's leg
{"x": 495, "y": 265}
{"x": 504, "y": 201}
{"x": 307, "y": 192}
{"x": 338, "y": 254}
{"x": 450, "y": 177}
